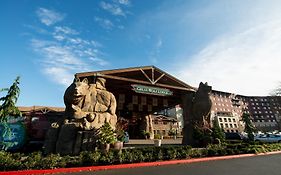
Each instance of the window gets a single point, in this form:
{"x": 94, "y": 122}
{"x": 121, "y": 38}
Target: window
{"x": 235, "y": 126}
{"x": 229, "y": 119}
{"x": 225, "y": 120}
{"x": 234, "y": 120}
{"x": 226, "y": 125}
{"x": 220, "y": 119}
{"x": 231, "y": 125}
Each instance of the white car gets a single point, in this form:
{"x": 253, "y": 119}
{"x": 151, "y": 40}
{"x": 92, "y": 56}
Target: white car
{"x": 270, "y": 138}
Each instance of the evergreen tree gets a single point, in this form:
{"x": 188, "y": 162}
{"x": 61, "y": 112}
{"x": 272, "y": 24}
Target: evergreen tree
{"x": 217, "y": 132}
{"x": 249, "y": 127}
{"x": 276, "y": 91}
{"x": 8, "y": 109}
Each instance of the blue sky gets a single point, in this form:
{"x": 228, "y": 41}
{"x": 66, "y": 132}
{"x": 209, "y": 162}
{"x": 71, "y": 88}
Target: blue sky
{"x": 233, "y": 45}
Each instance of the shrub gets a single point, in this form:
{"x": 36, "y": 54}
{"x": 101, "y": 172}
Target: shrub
{"x": 106, "y": 134}
{"x": 157, "y": 136}
{"x": 18, "y": 161}
{"x": 90, "y": 158}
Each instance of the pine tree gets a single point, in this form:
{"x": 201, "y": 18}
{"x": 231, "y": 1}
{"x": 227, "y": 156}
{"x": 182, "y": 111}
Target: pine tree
{"x": 249, "y": 127}
{"x": 276, "y": 91}
{"x": 218, "y": 133}
{"x": 8, "y": 109}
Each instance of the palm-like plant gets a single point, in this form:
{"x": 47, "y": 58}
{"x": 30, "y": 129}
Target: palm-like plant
{"x": 106, "y": 134}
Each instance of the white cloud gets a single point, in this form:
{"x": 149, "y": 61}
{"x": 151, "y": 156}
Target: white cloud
{"x": 65, "y": 30}
{"x": 59, "y": 62}
{"x": 105, "y": 23}
{"x": 114, "y": 9}
{"x": 246, "y": 62}
{"x": 49, "y": 17}
{"x": 124, "y": 2}
{"x": 121, "y": 27}
{"x": 99, "y": 61}
{"x": 60, "y": 75}
{"x": 154, "y": 53}
{"x": 66, "y": 54}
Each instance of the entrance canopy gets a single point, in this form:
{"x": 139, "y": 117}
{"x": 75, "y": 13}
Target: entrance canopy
{"x": 141, "y": 89}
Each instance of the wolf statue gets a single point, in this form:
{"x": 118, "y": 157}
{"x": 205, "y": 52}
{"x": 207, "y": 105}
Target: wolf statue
{"x": 87, "y": 108}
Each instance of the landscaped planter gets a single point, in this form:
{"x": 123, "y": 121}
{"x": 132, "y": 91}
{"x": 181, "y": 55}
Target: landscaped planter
{"x": 105, "y": 147}
{"x": 157, "y": 142}
{"x": 118, "y": 145}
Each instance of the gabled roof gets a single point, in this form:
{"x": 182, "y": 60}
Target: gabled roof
{"x": 40, "y": 108}
{"x": 149, "y": 75}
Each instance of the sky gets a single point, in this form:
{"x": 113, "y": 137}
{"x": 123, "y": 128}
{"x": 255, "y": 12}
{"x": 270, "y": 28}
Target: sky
{"x": 234, "y": 45}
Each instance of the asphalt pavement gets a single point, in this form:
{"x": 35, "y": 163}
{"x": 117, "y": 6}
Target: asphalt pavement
{"x": 257, "y": 165}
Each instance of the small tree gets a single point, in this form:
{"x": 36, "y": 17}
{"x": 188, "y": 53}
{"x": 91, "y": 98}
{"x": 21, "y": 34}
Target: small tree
{"x": 218, "y": 133}
{"x": 249, "y": 126}
{"x": 8, "y": 109}
{"x": 277, "y": 91}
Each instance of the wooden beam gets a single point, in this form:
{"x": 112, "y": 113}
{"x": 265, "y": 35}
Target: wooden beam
{"x": 159, "y": 78}
{"x": 146, "y": 76}
{"x": 143, "y": 82}
{"x": 86, "y": 74}
{"x": 152, "y": 74}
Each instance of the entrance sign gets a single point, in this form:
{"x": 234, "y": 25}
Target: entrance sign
{"x": 151, "y": 90}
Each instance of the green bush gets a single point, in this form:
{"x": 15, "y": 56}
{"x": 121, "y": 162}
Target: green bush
{"x": 20, "y": 161}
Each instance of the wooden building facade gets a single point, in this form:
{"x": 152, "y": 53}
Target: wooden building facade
{"x": 140, "y": 91}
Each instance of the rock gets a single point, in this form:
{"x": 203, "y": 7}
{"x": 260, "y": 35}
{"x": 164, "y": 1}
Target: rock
{"x": 88, "y": 107}
{"x": 66, "y": 139}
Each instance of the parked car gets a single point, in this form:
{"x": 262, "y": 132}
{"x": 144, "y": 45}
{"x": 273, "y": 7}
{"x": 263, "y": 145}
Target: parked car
{"x": 269, "y": 138}
{"x": 234, "y": 136}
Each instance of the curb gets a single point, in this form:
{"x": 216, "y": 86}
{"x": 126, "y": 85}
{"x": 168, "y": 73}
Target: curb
{"x": 133, "y": 165}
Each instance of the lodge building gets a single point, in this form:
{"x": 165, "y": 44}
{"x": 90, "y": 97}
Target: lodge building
{"x": 142, "y": 91}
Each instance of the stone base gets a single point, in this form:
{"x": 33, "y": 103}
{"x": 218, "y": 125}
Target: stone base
{"x": 68, "y": 140}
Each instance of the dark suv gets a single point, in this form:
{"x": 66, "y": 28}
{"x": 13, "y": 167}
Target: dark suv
{"x": 234, "y": 136}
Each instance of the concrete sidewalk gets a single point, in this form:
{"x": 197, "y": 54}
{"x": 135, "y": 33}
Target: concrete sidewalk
{"x": 145, "y": 143}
